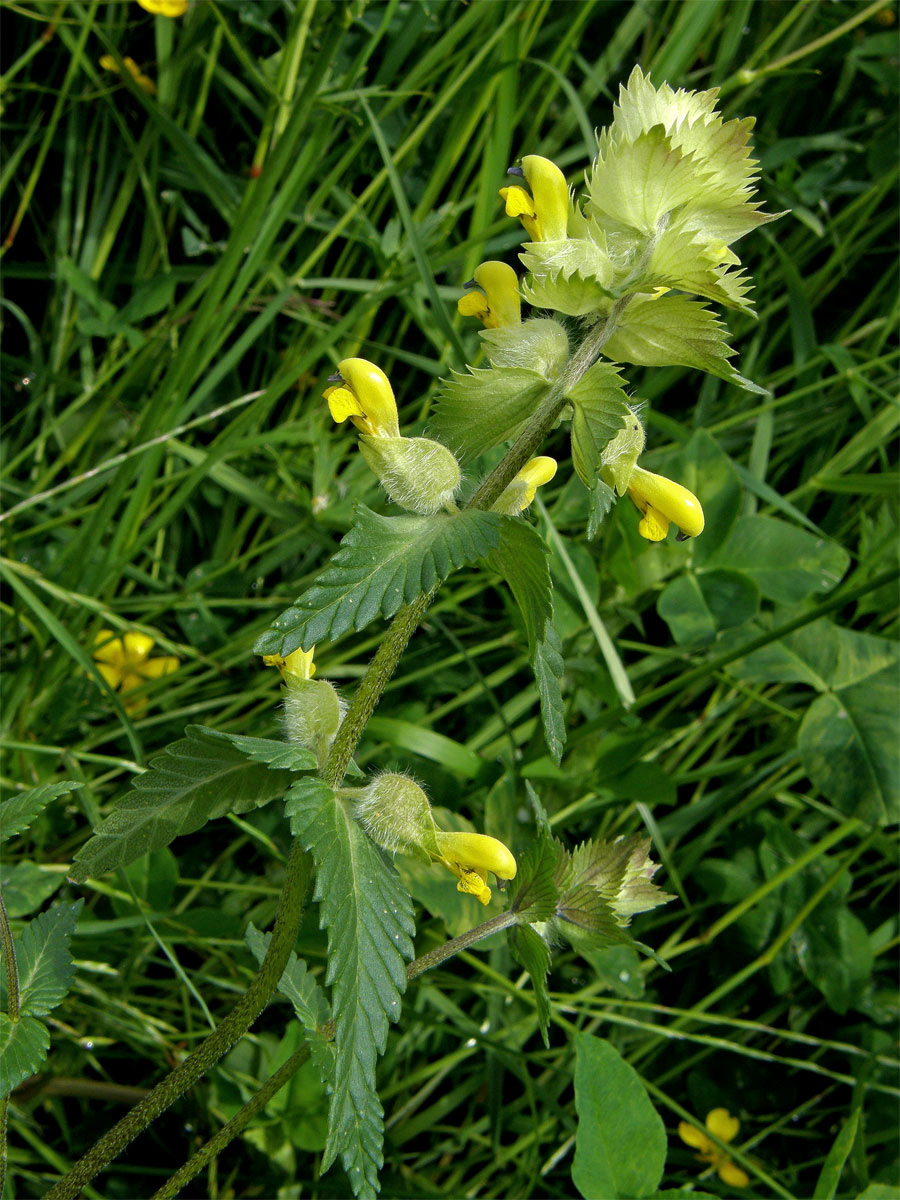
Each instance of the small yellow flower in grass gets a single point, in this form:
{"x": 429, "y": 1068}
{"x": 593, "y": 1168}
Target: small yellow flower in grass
{"x": 125, "y": 663}
{"x": 471, "y": 856}
{"x": 299, "y": 663}
{"x": 493, "y": 296}
{"x": 725, "y": 1127}
{"x": 545, "y": 211}
{"x": 520, "y": 493}
{"x": 663, "y": 503}
{"x": 165, "y": 8}
{"x": 144, "y": 82}
{"x": 364, "y": 394}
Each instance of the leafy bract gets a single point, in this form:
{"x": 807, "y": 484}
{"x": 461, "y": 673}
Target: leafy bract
{"x": 674, "y": 331}
{"x": 600, "y": 411}
{"x": 521, "y": 558}
{"x": 17, "y": 813}
{"x": 381, "y": 564}
{"x": 193, "y": 781}
{"x": 369, "y": 918}
{"x": 575, "y": 295}
{"x": 540, "y": 344}
{"x": 620, "y": 1143}
{"x": 483, "y": 408}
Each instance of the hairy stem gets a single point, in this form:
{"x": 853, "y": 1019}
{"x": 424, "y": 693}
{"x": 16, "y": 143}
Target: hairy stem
{"x": 12, "y": 993}
{"x": 287, "y": 922}
{"x": 434, "y": 958}
{"x": 238, "y": 1122}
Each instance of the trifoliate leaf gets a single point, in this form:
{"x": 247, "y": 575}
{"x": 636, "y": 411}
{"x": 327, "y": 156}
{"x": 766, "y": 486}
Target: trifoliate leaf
{"x": 43, "y": 962}
{"x": 23, "y": 1047}
{"x": 600, "y": 411}
{"x": 193, "y": 781}
{"x": 521, "y": 558}
{"x": 279, "y": 755}
{"x": 540, "y": 344}
{"x": 673, "y": 330}
{"x": 531, "y": 952}
{"x": 481, "y": 409}
{"x": 381, "y": 564}
{"x": 637, "y": 183}
{"x": 369, "y": 918}
{"x": 308, "y": 999}
{"x": 17, "y": 813}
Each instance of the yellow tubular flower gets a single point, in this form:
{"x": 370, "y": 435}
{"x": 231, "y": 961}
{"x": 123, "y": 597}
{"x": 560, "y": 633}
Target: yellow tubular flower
{"x": 493, "y": 296}
{"x": 725, "y": 1127}
{"x": 365, "y": 396}
{"x": 125, "y": 664}
{"x": 470, "y": 856}
{"x": 108, "y": 63}
{"x": 299, "y": 663}
{"x": 545, "y": 212}
{"x": 663, "y": 503}
{"x": 519, "y": 494}
{"x": 165, "y": 8}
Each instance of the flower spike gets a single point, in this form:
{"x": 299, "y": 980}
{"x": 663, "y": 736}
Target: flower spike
{"x": 544, "y": 212}
{"x": 492, "y": 296}
{"x": 662, "y": 503}
{"x": 365, "y": 396}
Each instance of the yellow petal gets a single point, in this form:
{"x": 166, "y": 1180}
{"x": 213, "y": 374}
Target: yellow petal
{"x": 112, "y": 674}
{"x": 518, "y": 202}
{"x": 674, "y": 503}
{"x": 654, "y": 526}
{"x": 692, "y": 1136}
{"x": 551, "y": 196}
{"x": 155, "y": 668}
{"x": 108, "y": 647}
{"x": 519, "y": 494}
{"x": 374, "y": 395}
{"x": 108, "y": 63}
{"x": 137, "y": 646}
{"x": 500, "y": 285}
{"x": 131, "y": 681}
{"x": 732, "y": 1174}
{"x": 722, "y": 1124}
{"x": 477, "y": 852}
{"x": 300, "y": 663}
{"x": 473, "y": 304}
{"x": 473, "y": 884}
{"x": 342, "y": 404}
{"x": 165, "y": 8}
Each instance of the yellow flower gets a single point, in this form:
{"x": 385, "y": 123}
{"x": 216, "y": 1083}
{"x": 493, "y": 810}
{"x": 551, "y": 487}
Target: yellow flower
{"x": 364, "y": 394}
{"x": 545, "y": 212}
{"x": 725, "y": 1127}
{"x": 108, "y": 63}
{"x": 663, "y": 503}
{"x": 520, "y": 493}
{"x": 470, "y": 856}
{"x": 299, "y": 663}
{"x": 125, "y": 664}
{"x": 493, "y": 296}
{"x": 165, "y": 8}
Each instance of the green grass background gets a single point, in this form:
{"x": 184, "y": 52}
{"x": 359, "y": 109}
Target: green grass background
{"x": 181, "y": 274}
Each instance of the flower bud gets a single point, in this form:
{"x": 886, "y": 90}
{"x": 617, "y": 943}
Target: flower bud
{"x": 419, "y": 474}
{"x": 313, "y": 712}
{"x": 519, "y": 494}
{"x": 396, "y": 814}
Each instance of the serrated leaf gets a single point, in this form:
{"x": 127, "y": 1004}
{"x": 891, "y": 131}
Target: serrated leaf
{"x": 280, "y": 755}
{"x": 540, "y": 344}
{"x": 521, "y": 558}
{"x": 481, "y": 409}
{"x": 536, "y": 893}
{"x": 571, "y": 256}
{"x": 369, "y": 918}
{"x": 675, "y": 331}
{"x": 193, "y": 781}
{"x": 310, "y": 1004}
{"x": 23, "y": 1047}
{"x": 531, "y": 952}
{"x": 43, "y": 962}
{"x": 693, "y": 261}
{"x": 575, "y": 296}
{"x": 381, "y": 564}
{"x": 17, "y": 813}
{"x": 603, "y": 499}
{"x": 600, "y": 411}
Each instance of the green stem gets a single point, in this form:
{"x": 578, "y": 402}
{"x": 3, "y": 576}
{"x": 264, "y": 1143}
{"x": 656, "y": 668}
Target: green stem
{"x": 238, "y": 1122}
{"x": 12, "y": 991}
{"x": 287, "y": 922}
{"x": 434, "y": 958}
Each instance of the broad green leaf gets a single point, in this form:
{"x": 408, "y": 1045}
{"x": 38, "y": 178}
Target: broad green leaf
{"x": 17, "y": 813}
{"x": 381, "y": 564}
{"x": 23, "y": 1047}
{"x": 531, "y": 952}
{"x": 310, "y": 1005}
{"x": 600, "y": 411}
{"x": 620, "y": 1143}
{"x": 699, "y": 606}
{"x": 43, "y": 962}
{"x": 195, "y": 780}
{"x": 484, "y": 408}
{"x": 369, "y": 919}
{"x": 25, "y": 887}
{"x": 280, "y": 755}
{"x": 787, "y": 563}
{"x": 521, "y": 558}
{"x": 534, "y": 893}
{"x": 675, "y": 331}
